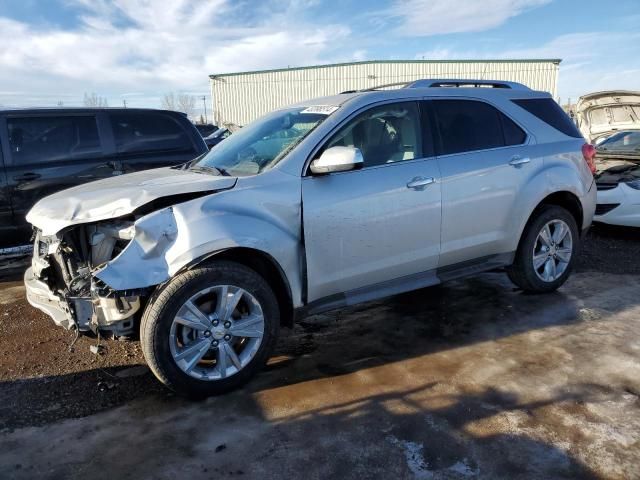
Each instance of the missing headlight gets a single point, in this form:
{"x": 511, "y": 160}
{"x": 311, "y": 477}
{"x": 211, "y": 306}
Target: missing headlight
{"x": 109, "y": 239}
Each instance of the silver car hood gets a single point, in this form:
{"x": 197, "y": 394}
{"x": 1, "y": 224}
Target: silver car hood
{"x": 118, "y": 196}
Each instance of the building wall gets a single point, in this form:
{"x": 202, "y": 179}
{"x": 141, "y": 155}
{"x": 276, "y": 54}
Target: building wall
{"x": 238, "y": 98}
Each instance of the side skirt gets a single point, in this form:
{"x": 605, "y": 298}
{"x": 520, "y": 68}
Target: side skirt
{"x": 406, "y": 284}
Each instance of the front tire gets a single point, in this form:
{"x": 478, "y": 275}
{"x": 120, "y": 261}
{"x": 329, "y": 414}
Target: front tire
{"x": 547, "y": 251}
{"x": 210, "y": 329}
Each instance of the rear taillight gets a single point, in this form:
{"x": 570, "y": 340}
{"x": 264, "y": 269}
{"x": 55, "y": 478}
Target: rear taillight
{"x": 589, "y": 155}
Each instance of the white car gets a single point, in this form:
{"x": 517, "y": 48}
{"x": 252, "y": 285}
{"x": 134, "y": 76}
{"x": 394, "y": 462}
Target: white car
{"x": 619, "y": 195}
{"x": 600, "y": 115}
{"x": 618, "y": 179}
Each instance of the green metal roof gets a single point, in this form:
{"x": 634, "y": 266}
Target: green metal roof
{"x": 370, "y": 62}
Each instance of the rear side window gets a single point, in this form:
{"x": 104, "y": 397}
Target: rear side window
{"x": 468, "y": 125}
{"x": 513, "y": 134}
{"x": 143, "y": 132}
{"x": 547, "y": 110}
{"x": 48, "y": 139}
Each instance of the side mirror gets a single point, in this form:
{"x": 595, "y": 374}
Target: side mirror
{"x": 337, "y": 159}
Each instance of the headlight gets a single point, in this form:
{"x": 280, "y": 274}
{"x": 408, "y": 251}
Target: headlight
{"x": 635, "y": 184}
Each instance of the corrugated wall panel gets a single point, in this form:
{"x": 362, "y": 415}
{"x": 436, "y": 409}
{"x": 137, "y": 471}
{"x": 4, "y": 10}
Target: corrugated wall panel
{"x": 240, "y": 98}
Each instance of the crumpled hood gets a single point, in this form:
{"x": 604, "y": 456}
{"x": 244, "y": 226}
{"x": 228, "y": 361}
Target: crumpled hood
{"x": 118, "y": 196}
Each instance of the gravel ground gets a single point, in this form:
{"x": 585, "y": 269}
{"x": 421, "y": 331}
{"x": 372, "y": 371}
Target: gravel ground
{"x": 43, "y": 381}
{"x": 609, "y": 249}
{"x": 38, "y": 368}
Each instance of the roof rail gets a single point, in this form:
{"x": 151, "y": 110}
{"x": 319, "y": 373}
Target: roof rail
{"x": 461, "y": 82}
{"x": 439, "y": 82}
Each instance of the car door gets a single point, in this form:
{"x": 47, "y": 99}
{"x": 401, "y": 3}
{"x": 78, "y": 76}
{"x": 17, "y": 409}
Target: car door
{"x": 145, "y": 140}
{"x": 374, "y": 231}
{"x": 7, "y": 229}
{"x": 46, "y": 153}
{"x": 485, "y": 161}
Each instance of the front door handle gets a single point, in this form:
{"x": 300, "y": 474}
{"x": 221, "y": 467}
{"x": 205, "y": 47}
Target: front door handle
{"x": 27, "y": 177}
{"x": 518, "y": 160}
{"x": 418, "y": 183}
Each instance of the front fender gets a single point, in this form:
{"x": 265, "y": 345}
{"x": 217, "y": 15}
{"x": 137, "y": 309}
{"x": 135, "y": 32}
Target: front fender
{"x": 170, "y": 239}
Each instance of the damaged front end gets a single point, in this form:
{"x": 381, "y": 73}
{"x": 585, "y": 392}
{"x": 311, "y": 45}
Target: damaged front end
{"x": 62, "y": 279}
{"x": 99, "y": 247}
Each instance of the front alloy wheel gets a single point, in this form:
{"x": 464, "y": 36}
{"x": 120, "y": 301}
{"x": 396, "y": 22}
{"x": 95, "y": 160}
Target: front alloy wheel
{"x": 210, "y": 329}
{"x": 216, "y": 332}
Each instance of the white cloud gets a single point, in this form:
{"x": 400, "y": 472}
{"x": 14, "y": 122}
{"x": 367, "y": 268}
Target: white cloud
{"x": 125, "y": 46}
{"x": 434, "y": 17}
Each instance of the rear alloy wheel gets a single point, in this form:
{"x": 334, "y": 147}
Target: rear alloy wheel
{"x": 546, "y": 252}
{"x": 210, "y": 329}
{"x": 552, "y": 251}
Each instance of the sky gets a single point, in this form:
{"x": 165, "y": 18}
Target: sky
{"x": 136, "y": 51}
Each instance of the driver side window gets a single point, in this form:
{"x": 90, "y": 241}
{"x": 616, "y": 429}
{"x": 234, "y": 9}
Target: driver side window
{"x": 386, "y": 134}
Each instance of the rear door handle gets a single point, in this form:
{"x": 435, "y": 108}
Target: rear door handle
{"x": 518, "y": 160}
{"x": 418, "y": 183}
{"x": 27, "y": 177}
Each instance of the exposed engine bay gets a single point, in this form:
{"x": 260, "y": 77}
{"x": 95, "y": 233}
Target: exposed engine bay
{"x": 66, "y": 263}
{"x": 623, "y": 172}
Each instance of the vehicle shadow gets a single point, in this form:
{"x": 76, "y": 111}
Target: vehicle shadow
{"x": 418, "y": 432}
{"x": 410, "y": 326}
{"x": 334, "y": 390}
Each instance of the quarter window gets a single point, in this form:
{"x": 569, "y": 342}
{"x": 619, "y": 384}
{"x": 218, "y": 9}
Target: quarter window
{"x": 386, "y": 134}
{"x": 141, "y": 132}
{"x": 49, "y": 139}
{"x": 547, "y": 110}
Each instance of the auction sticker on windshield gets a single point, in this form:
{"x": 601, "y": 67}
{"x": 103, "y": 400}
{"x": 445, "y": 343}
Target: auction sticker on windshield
{"x": 320, "y": 109}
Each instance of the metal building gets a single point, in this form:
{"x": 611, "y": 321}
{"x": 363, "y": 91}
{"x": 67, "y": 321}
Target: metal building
{"x": 238, "y": 98}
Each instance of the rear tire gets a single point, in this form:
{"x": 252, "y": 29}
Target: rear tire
{"x": 547, "y": 251}
{"x": 219, "y": 345}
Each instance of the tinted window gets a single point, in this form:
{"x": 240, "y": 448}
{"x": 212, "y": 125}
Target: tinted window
{"x": 385, "y": 134}
{"x": 47, "y": 139}
{"x": 547, "y": 110}
{"x": 467, "y": 125}
{"x": 142, "y": 132}
{"x": 513, "y": 134}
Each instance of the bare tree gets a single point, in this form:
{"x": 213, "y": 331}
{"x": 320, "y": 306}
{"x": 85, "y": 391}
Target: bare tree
{"x": 186, "y": 104}
{"x": 94, "y": 100}
{"x": 181, "y": 103}
{"x": 169, "y": 101}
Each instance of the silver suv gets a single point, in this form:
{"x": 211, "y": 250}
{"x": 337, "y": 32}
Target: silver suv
{"x": 331, "y": 202}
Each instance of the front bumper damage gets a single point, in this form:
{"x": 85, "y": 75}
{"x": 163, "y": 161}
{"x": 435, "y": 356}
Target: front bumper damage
{"x": 114, "y": 313}
{"x": 68, "y": 291}
{"x": 40, "y": 296}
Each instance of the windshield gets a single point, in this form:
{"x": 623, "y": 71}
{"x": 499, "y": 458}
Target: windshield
{"x": 262, "y": 143}
{"x": 622, "y": 142}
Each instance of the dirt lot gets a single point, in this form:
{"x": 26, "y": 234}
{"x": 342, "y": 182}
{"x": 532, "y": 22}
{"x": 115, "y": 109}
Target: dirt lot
{"x": 469, "y": 379}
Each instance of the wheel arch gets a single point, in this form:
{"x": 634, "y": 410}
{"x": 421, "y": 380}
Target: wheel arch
{"x": 263, "y": 264}
{"x": 562, "y": 198}
{"x": 566, "y": 200}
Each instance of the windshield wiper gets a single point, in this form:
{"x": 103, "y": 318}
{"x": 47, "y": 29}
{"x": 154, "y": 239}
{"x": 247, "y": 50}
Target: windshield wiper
{"x": 209, "y": 169}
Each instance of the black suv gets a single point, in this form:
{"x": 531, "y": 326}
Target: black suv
{"x": 47, "y": 150}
